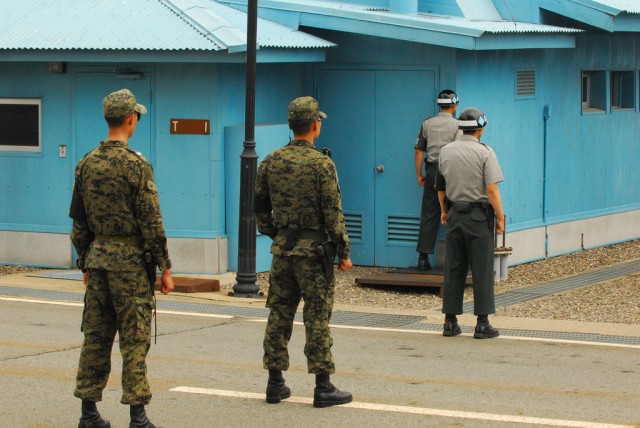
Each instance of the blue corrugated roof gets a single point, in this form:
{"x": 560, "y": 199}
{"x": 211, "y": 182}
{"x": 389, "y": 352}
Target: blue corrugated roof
{"x": 623, "y": 6}
{"x": 442, "y": 30}
{"x": 163, "y": 25}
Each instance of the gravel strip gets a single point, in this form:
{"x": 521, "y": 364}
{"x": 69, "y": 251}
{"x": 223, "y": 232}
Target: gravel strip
{"x": 616, "y": 301}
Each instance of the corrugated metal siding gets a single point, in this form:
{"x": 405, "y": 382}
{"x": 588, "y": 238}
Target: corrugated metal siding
{"x": 514, "y": 27}
{"x": 137, "y": 25}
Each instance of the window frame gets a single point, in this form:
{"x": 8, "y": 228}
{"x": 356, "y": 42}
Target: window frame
{"x": 24, "y": 149}
{"x": 616, "y": 80}
{"x": 587, "y": 107}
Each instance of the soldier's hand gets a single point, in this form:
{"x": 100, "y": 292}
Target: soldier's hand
{"x": 421, "y": 180}
{"x": 443, "y": 218}
{"x": 167, "y": 282}
{"x": 500, "y": 225}
{"x": 344, "y": 264}
{"x": 85, "y": 278}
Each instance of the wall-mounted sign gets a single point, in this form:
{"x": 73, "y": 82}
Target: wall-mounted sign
{"x": 190, "y": 126}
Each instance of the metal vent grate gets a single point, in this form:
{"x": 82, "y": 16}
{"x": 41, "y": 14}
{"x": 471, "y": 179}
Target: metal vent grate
{"x": 525, "y": 83}
{"x": 403, "y": 229}
{"x": 353, "y": 222}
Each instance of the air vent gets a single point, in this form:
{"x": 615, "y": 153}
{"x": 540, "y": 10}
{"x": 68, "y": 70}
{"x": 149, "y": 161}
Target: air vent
{"x": 353, "y": 222}
{"x": 403, "y": 230}
{"x": 525, "y": 84}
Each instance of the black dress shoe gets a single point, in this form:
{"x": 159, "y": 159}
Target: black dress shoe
{"x": 451, "y": 328}
{"x": 485, "y": 331}
{"x": 423, "y": 264}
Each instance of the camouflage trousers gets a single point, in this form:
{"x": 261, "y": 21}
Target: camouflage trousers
{"x": 116, "y": 302}
{"x": 292, "y": 278}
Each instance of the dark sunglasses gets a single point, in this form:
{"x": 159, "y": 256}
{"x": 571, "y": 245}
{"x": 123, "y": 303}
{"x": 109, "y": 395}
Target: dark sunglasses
{"x": 138, "y": 114}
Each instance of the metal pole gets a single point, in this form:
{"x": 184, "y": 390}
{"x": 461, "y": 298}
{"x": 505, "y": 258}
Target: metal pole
{"x": 246, "y": 285}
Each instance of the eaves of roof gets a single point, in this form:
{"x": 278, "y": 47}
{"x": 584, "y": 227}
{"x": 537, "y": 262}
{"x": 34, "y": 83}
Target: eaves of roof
{"x": 139, "y": 25}
{"x": 609, "y": 15}
{"x": 433, "y": 29}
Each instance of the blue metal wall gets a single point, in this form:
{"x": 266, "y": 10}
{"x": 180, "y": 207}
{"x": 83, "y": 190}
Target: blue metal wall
{"x": 190, "y": 169}
{"x": 35, "y": 187}
{"x": 592, "y": 158}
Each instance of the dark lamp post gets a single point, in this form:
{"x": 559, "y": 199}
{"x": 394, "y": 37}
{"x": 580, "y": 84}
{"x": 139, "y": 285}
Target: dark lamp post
{"x": 246, "y": 285}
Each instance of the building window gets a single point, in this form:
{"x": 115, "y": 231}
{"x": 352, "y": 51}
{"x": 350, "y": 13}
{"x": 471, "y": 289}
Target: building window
{"x": 622, "y": 90}
{"x": 525, "y": 84}
{"x": 20, "y": 121}
{"x": 594, "y": 91}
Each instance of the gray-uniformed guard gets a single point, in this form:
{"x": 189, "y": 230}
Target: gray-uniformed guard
{"x": 298, "y": 204}
{"x": 434, "y": 134}
{"x": 467, "y": 184}
{"x": 117, "y": 227}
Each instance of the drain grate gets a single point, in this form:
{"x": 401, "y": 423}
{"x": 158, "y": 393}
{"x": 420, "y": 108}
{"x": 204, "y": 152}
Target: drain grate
{"x": 346, "y": 318}
{"x": 372, "y": 320}
{"x": 539, "y": 334}
{"x": 558, "y": 286}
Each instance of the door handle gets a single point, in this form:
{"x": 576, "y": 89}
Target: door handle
{"x": 380, "y": 168}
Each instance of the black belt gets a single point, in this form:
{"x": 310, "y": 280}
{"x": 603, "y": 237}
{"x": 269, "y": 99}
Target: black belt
{"x": 464, "y": 206}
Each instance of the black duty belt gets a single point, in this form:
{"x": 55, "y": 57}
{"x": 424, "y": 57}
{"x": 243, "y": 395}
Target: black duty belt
{"x": 464, "y": 206}
{"x": 314, "y": 235}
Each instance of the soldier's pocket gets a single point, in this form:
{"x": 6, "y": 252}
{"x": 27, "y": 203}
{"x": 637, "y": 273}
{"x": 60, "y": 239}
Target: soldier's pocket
{"x": 478, "y": 215}
{"x": 144, "y": 311}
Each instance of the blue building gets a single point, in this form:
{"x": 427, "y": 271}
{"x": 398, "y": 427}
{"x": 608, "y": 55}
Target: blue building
{"x": 559, "y": 82}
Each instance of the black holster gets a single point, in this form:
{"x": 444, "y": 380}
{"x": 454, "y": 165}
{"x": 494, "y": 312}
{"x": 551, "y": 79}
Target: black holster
{"x": 327, "y": 251}
{"x": 150, "y": 268}
{"x": 291, "y": 237}
{"x": 491, "y": 216}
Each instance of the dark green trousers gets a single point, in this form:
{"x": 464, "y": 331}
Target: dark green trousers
{"x": 116, "y": 302}
{"x": 429, "y": 214}
{"x": 469, "y": 243}
{"x": 292, "y": 278}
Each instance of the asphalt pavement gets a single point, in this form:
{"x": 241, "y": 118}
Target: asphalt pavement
{"x": 206, "y": 368}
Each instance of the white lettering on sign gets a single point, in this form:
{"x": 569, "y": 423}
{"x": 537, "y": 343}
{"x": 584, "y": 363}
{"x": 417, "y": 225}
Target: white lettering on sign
{"x": 189, "y": 126}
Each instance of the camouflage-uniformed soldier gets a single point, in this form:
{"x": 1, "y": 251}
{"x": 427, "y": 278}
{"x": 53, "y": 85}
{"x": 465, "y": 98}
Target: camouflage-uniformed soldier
{"x": 468, "y": 176}
{"x": 116, "y": 218}
{"x": 434, "y": 134}
{"x": 297, "y": 203}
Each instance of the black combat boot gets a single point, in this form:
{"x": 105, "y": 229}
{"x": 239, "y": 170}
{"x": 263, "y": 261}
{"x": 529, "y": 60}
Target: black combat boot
{"x": 325, "y": 394}
{"x": 90, "y": 417}
{"x": 484, "y": 330}
{"x": 451, "y": 327}
{"x": 139, "y": 417}
{"x": 423, "y": 262}
{"x": 276, "y": 389}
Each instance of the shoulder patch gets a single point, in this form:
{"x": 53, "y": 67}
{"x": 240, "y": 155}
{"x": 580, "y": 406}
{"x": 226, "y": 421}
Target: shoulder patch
{"x": 138, "y": 154}
{"x": 151, "y": 185}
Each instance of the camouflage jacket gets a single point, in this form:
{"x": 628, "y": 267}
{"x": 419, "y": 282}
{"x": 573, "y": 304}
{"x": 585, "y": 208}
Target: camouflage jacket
{"x": 117, "y": 189}
{"x": 302, "y": 186}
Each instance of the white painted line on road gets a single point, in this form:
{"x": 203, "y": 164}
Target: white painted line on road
{"x": 412, "y": 410}
{"x": 160, "y": 311}
{"x": 348, "y": 327}
{"x": 194, "y": 314}
{"x": 45, "y": 302}
{"x": 439, "y": 333}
